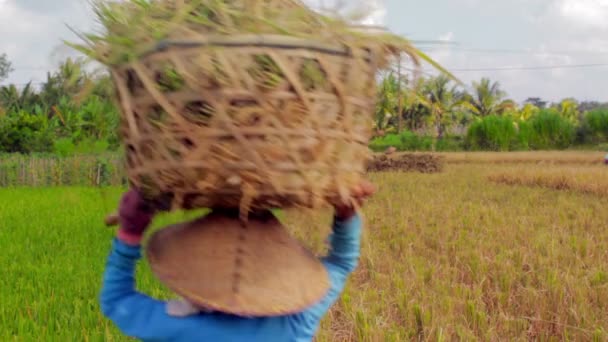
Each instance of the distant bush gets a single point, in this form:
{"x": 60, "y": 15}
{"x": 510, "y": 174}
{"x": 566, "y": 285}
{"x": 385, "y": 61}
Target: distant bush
{"x": 65, "y": 147}
{"x": 406, "y": 141}
{"x": 492, "y": 133}
{"x": 594, "y": 127}
{"x": 548, "y": 130}
{"x": 21, "y": 132}
{"x": 411, "y": 142}
{"x": 451, "y": 143}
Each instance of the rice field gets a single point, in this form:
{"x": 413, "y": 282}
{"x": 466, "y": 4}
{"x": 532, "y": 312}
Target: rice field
{"x": 448, "y": 256}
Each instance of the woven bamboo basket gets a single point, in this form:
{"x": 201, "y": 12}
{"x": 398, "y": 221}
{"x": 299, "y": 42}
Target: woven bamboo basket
{"x": 249, "y": 121}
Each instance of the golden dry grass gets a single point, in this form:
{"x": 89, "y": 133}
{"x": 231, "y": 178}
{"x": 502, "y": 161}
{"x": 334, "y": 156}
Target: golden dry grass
{"x": 588, "y": 180}
{"x": 453, "y": 256}
{"x": 549, "y": 157}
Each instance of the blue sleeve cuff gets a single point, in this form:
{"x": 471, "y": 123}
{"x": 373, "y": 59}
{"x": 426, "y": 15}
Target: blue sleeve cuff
{"x": 354, "y": 221}
{"x": 131, "y": 252}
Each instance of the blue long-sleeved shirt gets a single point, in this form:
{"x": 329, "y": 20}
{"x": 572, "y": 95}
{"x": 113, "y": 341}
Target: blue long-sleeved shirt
{"x": 145, "y": 318}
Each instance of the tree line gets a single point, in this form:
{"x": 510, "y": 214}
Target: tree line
{"x": 73, "y": 111}
{"x": 437, "y": 112}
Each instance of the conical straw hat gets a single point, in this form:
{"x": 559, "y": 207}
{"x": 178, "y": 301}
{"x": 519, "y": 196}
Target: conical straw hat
{"x": 247, "y": 269}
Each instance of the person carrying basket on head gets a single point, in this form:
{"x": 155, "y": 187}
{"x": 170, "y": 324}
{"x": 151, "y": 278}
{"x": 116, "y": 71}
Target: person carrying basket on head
{"x": 242, "y": 311}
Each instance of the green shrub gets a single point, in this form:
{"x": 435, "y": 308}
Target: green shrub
{"x": 406, "y": 141}
{"x": 22, "y": 132}
{"x": 549, "y": 130}
{"x": 594, "y": 128}
{"x": 90, "y": 146}
{"x": 450, "y": 144}
{"x": 382, "y": 143}
{"x": 64, "y": 147}
{"x": 493, "y": 133}
{"x": 413, "y": 142}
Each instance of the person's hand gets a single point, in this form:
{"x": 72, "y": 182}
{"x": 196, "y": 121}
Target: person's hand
{"x": 360, "y": 194}
{"x": 134, "y": 217}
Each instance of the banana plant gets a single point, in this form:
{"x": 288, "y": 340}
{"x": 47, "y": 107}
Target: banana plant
{"x": 568, "y": 108}
{"x": 13, "y": 99}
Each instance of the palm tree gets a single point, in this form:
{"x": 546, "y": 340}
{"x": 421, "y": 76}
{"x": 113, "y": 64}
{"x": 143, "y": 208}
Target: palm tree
{"x": 70, "y": 80}
{"x": 443, "y": 101}
{"x": 407, "y": 97}
{"x": 398, "y": 98}
{"x": 488, "y": 99}
{"x": 72, "y": 75}
{"x": 414, "y": 104}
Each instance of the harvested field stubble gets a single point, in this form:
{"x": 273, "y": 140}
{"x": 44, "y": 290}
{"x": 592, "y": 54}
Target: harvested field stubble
{"x": 453, "y": 257}
{"x": 553, "y": 157}
{"x": 424, "y": 163}
{"x": 585, "y": 180}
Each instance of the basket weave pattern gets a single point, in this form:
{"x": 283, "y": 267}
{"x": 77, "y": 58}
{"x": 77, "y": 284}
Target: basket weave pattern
{"x": 250, "y": 123}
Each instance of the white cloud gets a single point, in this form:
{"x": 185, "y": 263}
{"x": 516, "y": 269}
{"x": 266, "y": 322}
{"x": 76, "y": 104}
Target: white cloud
{"x": 591, "y": 13}
{"x": 31, "y": 32}
{"x": 521, "y": 34}
{"x": 15, "y": 20}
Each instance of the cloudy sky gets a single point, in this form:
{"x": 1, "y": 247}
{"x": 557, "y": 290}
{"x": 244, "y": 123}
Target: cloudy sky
{"x": 547, "y": 48}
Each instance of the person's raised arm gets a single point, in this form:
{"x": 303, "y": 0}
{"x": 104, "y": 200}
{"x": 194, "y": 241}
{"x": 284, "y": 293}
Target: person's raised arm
{"x": 135, "y": 314}
{"x": 342, "y": 260}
